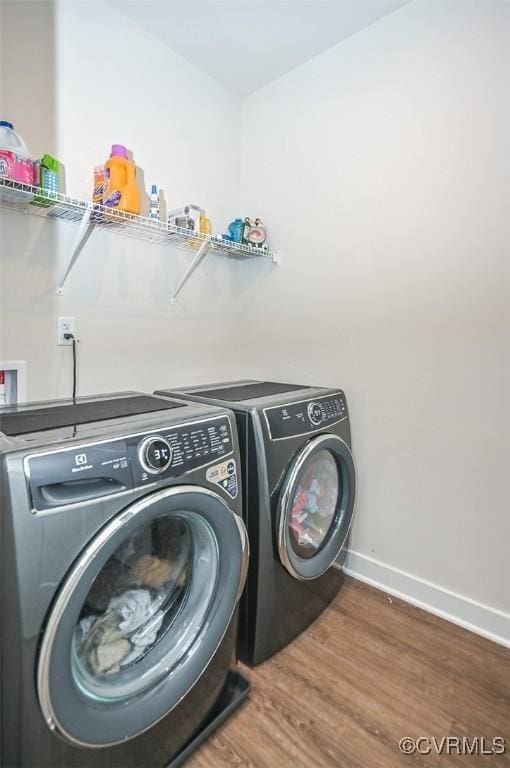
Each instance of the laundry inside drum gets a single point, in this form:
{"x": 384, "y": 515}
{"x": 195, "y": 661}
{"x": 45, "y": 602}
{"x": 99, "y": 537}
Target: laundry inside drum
{"x": 315, "y": 503}
{"x": 146, "y": 606}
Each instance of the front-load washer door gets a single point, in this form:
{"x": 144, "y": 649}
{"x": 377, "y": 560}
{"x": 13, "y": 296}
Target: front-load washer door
{"x": 316, "y": 507}
{"x": 140, "y": 616}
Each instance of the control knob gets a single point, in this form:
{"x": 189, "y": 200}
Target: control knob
{"x": 315, "y": 414}
{"x": 155, "y": 455}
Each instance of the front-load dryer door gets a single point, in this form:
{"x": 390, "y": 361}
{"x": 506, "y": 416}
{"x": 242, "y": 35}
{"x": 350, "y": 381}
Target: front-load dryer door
{"x": 316, "y": 507}
{"x": 140, "y": 616}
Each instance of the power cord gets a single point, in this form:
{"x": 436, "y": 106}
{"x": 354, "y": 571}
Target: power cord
{"x": 67, "y": 337}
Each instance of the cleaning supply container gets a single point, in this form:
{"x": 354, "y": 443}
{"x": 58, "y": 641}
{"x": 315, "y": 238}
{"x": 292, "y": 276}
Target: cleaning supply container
{"x": 48, "y": 173}
{"x": 47, "y": 177}
{"x": 205, "y": 225}
{"x": 16, "y": 163}
{"x": 98, "y": 192}
{"x": 121, "y": 190}
{"x": 154, "y": 204}
{"x": 235, "y": 231}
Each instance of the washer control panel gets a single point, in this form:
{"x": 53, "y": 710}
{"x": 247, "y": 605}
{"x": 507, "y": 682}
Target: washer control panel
{"x": 296, "y": 419}
{"x": 179, "y": 449}
{"x": 90, "y": 472}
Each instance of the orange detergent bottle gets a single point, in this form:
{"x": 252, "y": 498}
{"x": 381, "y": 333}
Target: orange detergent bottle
{"x": 120, "y": 187}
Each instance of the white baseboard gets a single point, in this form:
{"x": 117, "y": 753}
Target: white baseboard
{"x": 488, "y": 622}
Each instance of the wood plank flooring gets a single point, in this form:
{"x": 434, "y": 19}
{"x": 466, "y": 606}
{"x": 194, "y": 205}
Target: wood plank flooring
{"x": 371, "y": 670}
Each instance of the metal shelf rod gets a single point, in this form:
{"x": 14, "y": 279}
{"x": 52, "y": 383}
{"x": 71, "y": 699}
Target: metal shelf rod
{"x": 197, "y": 260}
{"x": 84, "y": 231}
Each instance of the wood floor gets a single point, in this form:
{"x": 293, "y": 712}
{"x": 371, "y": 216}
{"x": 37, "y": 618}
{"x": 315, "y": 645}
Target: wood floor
{"x": 370, "y": 671}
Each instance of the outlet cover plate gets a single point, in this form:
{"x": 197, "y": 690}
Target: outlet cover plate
{"x": 65, "y": 325}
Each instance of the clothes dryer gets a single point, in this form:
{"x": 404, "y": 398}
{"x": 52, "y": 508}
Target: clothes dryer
{"x": 299, "y": 484}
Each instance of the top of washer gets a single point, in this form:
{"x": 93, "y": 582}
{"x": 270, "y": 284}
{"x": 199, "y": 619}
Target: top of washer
{"x": 28, "y": 419}
{"x": 61, "y": 420}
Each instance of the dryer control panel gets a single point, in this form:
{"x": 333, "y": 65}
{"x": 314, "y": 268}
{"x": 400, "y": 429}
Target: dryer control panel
{"x": 294, "y": 419}
{"x": 92, "y": 471}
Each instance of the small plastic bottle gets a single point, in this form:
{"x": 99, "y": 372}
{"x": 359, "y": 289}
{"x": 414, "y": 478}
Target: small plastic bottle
{"x": 97, "y": 194}
{"x": 154, "y": 204}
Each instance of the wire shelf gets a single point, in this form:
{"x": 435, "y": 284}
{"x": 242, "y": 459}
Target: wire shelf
{"x": 24, "y": 198}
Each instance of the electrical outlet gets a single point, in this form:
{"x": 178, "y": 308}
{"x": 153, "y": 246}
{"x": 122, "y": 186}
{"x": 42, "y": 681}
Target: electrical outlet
{"x": 65, "y": 325}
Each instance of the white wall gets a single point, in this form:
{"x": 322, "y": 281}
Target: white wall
{"x": 382, "y": 168}
{"x": 77, "y": 77}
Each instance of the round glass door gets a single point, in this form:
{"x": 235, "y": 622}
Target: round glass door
{"x": 146, "y": 605}
{"x": 316, "y": 507}
{"x": 141, "y": 615}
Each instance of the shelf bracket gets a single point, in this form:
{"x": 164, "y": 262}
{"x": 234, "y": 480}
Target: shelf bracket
{"x": 83, "y": 234}
{"x": 197, "y": 260}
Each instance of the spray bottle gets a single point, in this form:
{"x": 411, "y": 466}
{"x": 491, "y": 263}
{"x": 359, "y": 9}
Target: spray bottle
{"x": 154, "y": 204}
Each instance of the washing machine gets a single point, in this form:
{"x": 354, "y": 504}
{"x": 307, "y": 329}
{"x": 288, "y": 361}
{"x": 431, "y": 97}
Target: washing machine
{"x": 123, "y": 557}
{"x": 299, "y": 484}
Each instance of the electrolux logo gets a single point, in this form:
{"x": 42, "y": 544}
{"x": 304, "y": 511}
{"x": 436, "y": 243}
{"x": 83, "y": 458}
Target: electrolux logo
{"x": 80, "y": 459}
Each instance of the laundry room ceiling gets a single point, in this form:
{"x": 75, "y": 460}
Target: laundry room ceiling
{"x": 248, "y": 43}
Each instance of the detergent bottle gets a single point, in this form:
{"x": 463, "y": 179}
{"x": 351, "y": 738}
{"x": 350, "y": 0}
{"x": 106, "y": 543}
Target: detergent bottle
{"x": 15, "y": 161}
{"x": 120, "y": 188}
{"x": 16, "y": 165}
{"x": 98, "y": 191}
